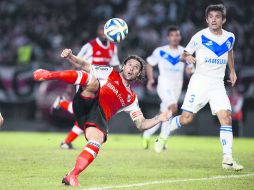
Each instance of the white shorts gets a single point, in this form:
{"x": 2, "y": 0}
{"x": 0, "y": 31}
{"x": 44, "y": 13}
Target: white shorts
{"x": 168, "y": 95}
{"x": 203, "y": 90}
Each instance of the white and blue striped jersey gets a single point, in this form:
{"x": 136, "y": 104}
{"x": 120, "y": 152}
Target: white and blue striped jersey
{"x": 211, "y": 52}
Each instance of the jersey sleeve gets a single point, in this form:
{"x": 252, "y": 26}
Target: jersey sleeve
{"x": 233, "y": 42}
{"x": 86, "y": 53}
{"x": 115, "y": 60}
{"x": 154, "y": 58}
{"x": 193, "y": 45}
{"x": 134, "y": 110}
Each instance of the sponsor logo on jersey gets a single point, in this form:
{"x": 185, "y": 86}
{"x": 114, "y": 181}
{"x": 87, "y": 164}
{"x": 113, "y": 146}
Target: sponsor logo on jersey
{"x": 118, "y": 95}
{"x": 215, "y": 61}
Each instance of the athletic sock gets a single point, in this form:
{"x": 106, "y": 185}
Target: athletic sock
{"x": 226, "y": 138}
{"x": 149, "y": 132}
{"x": 70, "y": 76}
{"x": 165, "y": 129}
{"x": 175, "y": 124}
{"x": 73, "y": 134}
{"x": 86, "y": 157}
{"x": 66, "y": 105}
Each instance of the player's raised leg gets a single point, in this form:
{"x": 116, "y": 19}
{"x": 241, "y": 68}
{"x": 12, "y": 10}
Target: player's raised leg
{"x": 68, "y": 76}
{"x": 95, "y": 139}
{"x": 226, "y": 138}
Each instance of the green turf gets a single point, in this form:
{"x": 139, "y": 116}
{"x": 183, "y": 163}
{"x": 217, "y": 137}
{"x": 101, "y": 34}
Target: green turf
{"x": 34, "y": 161}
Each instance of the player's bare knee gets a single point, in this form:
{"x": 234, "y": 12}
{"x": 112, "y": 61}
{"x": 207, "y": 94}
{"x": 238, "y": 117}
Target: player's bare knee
{"x": 224, "y": 117}
{"x": 92, "y": 133}
{"x": 186, "y": 118}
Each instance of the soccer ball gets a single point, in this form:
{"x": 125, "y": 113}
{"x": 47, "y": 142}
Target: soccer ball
{"x": 116, "y": 29}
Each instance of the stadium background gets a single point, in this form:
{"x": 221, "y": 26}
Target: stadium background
{"x": 33, "y": 33}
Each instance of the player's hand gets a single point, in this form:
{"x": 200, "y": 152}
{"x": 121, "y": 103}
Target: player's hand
{"x": 190, "y": 69}
{"x": 66, "y": 53}
{"x": 190, "y": 59}
{"x": 1, "y": 120}
{"x": 165, "y": 116}
{"x": 232, "y": 77}
{"x": 149, "y": 85}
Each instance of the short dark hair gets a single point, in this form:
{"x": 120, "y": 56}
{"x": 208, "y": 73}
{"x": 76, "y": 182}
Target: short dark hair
{"x": 173, "y": 28}
{"x": 142, "y": 62}
{"x": 217, "y": 7}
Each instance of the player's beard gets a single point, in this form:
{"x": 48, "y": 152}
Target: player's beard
{"x": 127, "y": 78}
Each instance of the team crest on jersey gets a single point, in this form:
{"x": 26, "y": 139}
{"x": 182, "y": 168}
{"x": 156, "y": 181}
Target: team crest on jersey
{"x": 209, "y": 43}
{"x": 128, "y": 98}
{"x": 98, "y": 53}
{"x": 228, "y": 43}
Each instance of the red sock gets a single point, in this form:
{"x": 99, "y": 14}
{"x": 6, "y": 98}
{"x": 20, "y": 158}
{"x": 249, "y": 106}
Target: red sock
{"x": 73, "y": 134}
{"x": 86, "y": 157}
{"x": 70, "y": 76}
{"x": 66, "y": 105}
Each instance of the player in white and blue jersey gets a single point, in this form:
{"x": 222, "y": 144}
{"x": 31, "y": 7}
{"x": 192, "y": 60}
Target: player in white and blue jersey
{"x": 170, "y": 82}
{"x": 213, "y": 47}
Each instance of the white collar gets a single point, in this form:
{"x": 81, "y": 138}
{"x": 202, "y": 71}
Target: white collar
{"x": 100, "y": 43}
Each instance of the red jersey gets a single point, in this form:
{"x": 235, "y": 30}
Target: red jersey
{"x": 114, "y": 96}
{"x": 96, "y": 53}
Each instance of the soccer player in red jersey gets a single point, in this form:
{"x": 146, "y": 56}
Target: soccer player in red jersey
{"x": 103, "y": 92}
{"x": 98, "y": 52}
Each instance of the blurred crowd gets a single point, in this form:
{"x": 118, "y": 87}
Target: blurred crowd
{"x": 38, "y": 30}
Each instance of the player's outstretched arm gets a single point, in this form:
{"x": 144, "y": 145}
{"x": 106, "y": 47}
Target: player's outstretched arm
{"x": 1, "y": 120}
{"x": 143, "y": 124}
{"x": 187, "y": 58}
{"x": 75, "y": 60}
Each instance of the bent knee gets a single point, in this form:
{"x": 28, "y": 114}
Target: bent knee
{"x": 225, "y": 117}
{"x": 186, "y": 118}
{"x": 92, "y": 133}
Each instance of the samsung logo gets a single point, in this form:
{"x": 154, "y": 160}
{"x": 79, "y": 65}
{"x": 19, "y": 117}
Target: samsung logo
{"x": 215, "y": 61}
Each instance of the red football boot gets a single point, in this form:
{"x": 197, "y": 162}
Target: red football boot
{"x": 71, "y": 180}
{"x": 41, "y": 74}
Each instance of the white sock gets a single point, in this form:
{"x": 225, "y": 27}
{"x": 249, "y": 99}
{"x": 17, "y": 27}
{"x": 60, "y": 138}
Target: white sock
{"x": 175, "y": 124}
{"x": 70, "y": 108}
{"x": 149, "y": 132}
{"x": 165, "y": 129}
{"x": 226, "y": 139}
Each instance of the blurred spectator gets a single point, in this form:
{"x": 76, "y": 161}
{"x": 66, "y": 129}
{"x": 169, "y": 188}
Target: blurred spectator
{"x": 236, "y": 100}
{"x": 52, "y": 25}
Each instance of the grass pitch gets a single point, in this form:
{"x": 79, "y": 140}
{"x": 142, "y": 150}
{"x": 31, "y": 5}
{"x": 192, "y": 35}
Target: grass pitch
{"x": 35, "y": 161}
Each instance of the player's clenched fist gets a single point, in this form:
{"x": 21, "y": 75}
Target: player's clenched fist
{"x": 66, "y": 53}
